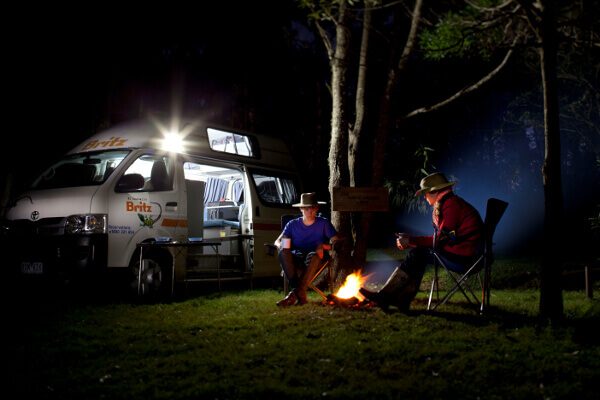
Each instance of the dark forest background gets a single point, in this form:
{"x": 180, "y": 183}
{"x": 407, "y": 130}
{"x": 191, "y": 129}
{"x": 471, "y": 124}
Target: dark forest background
{"x": 258, "y": 66}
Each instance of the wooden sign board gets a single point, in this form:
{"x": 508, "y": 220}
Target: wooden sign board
{"x": 360, "y": 199}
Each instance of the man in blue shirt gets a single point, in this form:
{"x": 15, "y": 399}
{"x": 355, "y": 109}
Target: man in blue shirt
{"x": 309, "y": 236}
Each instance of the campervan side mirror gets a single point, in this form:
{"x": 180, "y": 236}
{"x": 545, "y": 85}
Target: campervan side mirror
{"x": 129, "y": 183}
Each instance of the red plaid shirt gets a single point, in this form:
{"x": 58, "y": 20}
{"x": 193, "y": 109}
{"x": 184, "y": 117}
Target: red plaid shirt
{"x": 460, "y": 218}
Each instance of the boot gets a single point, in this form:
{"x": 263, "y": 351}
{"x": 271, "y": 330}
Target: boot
{"x": 312, "y": 266}
{"x": 382, "y": 299}
{"x": 302, "y": 297}
{"x": 404, "y": 297}
{"x": 399, "y": 290}
{"x": 397, "y": 281}
{"x": 288, "y": 300}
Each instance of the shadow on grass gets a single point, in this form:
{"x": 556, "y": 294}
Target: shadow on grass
{"x": 582, "y": 329}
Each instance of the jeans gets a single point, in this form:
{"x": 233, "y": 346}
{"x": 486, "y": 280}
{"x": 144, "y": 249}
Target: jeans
{"x": 299, "y": 268}
{"x": 406, "y": 279}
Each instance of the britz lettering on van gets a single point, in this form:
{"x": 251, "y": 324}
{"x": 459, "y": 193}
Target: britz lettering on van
{"x": 163, "y": 207}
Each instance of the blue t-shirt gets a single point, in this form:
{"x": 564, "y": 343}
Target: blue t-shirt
{"x": 307, "y": 238}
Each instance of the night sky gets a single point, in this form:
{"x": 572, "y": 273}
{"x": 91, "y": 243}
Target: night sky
{"x": 240, "y": 64}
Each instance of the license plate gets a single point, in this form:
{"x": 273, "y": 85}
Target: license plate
{"x": 32, "y": 268}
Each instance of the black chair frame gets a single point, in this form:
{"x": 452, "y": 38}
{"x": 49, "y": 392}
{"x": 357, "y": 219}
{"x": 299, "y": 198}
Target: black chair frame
{"x": 494, "y": 212}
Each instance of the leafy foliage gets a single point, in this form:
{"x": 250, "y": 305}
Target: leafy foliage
{"x": 323, "y": 10}
{"x": 461, "y": 34}
{"x": 402, "y": 191}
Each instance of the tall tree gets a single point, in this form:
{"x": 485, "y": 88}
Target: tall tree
{"x": 344, "y": 19}
{"x": 542, "y": 25}
{"x": 383, "y": 127}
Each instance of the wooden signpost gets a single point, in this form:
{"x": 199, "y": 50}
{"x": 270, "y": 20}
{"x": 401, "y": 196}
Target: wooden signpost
{"x": 360, "y": 199}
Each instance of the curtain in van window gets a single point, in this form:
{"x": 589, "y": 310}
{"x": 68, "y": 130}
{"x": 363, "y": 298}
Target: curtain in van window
{"x": 215, "y": 190}
{"x": 238, "y": 190}
{"x": 290, "y": 194}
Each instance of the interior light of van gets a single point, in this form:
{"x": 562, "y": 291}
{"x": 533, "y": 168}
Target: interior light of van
{"x": 86, "y": 224}
{"x": 172, "y": 142}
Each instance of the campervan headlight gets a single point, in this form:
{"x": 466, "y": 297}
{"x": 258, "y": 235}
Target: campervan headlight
{"x": 86, "y": 224}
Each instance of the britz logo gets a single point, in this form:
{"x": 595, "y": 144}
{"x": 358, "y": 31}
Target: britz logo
{"x": 35, "y": 215}
{"x": 143, "y": 207}
{"x": 112, "y": 142}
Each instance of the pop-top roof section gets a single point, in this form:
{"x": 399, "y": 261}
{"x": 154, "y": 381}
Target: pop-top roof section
{"x": 232, "y": 143}
{"x": 194, "y": 138}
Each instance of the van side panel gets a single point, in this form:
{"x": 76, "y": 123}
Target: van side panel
{"x": 195, "y": 208}
{"x": 135, "y": 217}
{"x": 267, "y": 208}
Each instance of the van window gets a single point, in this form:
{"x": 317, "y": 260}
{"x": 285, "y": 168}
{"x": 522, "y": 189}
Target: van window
{"x": 223, "y": 195}
{"x": 82, "y": 169}
{"x": 156, "y": 170}
{"x": 276, "y": 189}
{"x": 233, "y": 143}
{"x": 222, "y": 184}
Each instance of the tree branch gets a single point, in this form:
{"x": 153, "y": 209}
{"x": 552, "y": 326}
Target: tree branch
{"x": 412, "y": 36}
{"x": 489, "y": 9}
{"x": 326, "y": 40}
{"x": 461, "y": 92}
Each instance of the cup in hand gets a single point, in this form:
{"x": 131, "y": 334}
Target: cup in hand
{"x": 286, "y": 243}
{"x": 402, "y": 240}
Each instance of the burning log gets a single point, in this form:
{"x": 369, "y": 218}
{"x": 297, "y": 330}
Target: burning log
{"x": 351, "y": 302}
{"x": 349, "y": 295}
{"x": 333, "y": 300}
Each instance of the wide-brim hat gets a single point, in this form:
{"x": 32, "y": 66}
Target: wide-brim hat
{"x": 434, "y": 182}
{"x": 308, "y": 200}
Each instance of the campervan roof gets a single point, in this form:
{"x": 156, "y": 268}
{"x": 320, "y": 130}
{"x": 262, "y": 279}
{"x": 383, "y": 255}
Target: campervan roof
{"x": 191, "y": 137}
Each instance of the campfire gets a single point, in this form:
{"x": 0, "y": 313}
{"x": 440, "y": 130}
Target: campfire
{"x": 348, "y": 294}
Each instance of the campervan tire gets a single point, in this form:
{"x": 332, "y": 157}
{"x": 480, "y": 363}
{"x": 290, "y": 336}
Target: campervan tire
{"x": 156, "y": 276}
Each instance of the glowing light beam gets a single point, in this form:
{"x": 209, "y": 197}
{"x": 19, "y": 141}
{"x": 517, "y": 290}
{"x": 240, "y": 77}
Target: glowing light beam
{"x": 173, "y": 142}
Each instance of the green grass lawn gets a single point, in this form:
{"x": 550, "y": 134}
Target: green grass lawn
{"x": 240, "y": 345}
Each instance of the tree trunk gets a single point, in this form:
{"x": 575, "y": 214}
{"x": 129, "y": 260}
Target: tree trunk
{"x": 339, "y": 175}
{"x": 360, "y": 250}
{"x": 551, "y": 303}
{"x": 356, "y": 130}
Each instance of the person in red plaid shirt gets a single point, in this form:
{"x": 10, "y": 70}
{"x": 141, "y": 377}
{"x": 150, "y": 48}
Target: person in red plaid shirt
{"x": 458, "y": 240}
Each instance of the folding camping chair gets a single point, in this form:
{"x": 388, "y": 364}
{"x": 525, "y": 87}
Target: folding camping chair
{"x": 494, "y": 211}
{"x": 284, "y": 220}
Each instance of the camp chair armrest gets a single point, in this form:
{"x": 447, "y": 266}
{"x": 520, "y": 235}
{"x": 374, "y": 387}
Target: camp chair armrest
{"x": 338, "y": 244}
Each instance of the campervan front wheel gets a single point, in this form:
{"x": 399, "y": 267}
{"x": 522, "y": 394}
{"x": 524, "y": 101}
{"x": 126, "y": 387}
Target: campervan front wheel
{"x": 154, "y": 281}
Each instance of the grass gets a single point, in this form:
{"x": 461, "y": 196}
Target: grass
{"x": 240, "y": 345}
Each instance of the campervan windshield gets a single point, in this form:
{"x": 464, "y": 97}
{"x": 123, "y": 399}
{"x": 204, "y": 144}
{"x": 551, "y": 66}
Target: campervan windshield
{"x": 82, "y": 169}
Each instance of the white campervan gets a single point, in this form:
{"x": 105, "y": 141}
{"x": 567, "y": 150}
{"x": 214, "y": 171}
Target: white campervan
{"x": 161, "y": 182}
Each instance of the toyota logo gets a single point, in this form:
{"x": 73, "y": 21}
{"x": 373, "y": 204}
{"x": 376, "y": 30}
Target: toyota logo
{"x": 35, "y": 215}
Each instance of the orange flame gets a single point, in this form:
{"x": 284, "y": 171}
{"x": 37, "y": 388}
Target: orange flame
{"x": 350, "y": 288}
